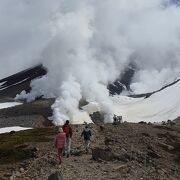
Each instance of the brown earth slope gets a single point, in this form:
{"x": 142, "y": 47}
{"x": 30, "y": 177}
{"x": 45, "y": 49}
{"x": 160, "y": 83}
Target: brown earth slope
{"x": 127, "y": 151}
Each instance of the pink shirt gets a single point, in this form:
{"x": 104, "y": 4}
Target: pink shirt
{"x": 60, "y": 140}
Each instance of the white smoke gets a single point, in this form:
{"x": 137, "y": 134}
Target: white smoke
{"x": 24, "y": 33}
{"x": 87, "y": 44}
{"x": 66, "y": 106}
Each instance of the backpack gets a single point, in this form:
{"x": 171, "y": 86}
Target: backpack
{"x": 66, "y": 130}
{"x": 87, "y": 134}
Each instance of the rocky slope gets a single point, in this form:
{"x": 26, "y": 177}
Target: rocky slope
{"x": 34, "y": 114}
{"x": 125, "y": 151}
{"x": 14, "y": 84}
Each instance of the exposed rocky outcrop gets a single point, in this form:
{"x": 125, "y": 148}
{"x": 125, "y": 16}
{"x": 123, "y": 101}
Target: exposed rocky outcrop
{"x": 14, "y": 84}
{"x": 124, "y": 80}
{"x": 177, "y": 121}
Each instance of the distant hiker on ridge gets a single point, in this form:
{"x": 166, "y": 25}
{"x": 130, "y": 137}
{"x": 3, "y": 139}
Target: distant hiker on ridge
{"x": 68, "y": 130}
{"x": 114, "y": 119}
{"x": 59, "y": 142}
{"x": 87, "y": 137}
{"x": 117, "y": 119}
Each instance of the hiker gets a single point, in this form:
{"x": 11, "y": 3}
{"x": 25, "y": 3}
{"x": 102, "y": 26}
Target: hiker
{"x": 60, "y": 141}
{"x": 87, "y": 137}
{"x": 115, "y": 119}
{"x": 68, "y": 130}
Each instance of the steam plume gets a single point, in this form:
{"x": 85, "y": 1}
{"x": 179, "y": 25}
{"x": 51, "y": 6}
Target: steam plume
{"x": 87, "y": 44}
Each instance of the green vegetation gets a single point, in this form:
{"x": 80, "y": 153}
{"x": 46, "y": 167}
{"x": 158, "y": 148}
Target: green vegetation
{"x": 14, "y": 146}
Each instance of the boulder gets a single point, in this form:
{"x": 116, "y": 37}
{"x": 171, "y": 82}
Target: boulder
{"x": 103, "y": 154}
{"x": 97, "y": 117}
{"x": 56, "y": 176}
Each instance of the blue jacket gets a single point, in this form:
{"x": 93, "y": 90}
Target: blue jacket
{"x": 86, "y": 133}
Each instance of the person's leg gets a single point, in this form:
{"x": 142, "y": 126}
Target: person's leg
{"x": 68, "y": 146}
{"x": 86, "y": 145}
{"x": 60, "y": 150}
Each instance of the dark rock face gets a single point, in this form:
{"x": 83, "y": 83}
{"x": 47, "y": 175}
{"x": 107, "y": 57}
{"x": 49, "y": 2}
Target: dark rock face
{"x": 82, "y": 103}
{"x": 123, "y": 82}
{"x": 12, "y": 85}
{"x": 177, "y": 121}
{"x": 27, "y": 74}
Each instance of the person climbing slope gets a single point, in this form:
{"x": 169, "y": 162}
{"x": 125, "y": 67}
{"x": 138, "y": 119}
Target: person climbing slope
{"x": 59, "y": 142}
{"x": 68, "y": 130}
{"x": 87, "y": 137}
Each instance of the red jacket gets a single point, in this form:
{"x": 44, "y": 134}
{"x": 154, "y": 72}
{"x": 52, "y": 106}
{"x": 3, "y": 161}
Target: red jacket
{"x": 60, "y": 140}
{"x": 68, "y": 130}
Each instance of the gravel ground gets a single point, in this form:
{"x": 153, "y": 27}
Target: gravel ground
{"x": 141, "y": 152}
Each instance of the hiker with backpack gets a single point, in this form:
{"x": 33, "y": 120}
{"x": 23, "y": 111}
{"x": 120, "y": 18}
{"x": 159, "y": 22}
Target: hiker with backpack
{"x": 59, "y": 142}
{"x": 68, "y": 130}
{"x": 86, "y": 134}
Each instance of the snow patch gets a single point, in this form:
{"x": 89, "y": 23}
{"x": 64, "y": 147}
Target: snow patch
{"x": 13, "y": 128}
{"x": 9, "y": 104}
{"x": 2, "y": 83}
{"x": 161, "y": 106}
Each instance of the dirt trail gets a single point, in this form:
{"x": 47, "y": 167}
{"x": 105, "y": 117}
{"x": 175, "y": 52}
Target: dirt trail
{"x": 135, "y": 151}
